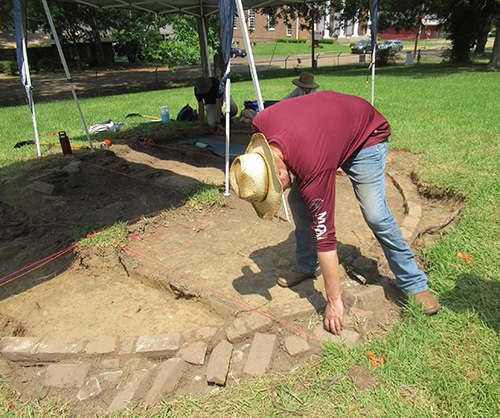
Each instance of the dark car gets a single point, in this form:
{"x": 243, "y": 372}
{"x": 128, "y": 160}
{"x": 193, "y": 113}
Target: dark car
{"x": 362, "y": 47}
{"x": 391, "y": 44}
{"x": 238, "y": 52}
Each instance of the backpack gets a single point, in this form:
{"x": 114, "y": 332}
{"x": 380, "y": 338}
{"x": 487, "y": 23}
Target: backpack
{"x": 187, "y": 114}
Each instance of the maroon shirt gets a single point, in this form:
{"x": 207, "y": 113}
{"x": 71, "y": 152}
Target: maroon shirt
{"x": 317, "y": 134}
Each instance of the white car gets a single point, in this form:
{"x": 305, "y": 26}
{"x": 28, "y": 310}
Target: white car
{"x": 391, "y": 44}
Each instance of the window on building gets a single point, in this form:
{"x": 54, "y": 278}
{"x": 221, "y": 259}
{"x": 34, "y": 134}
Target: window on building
{"x": 269, "y": 25}
{"x": 235, "y": 23}
{"x": 288, "y": 30}
{"x": 251, "y": 19}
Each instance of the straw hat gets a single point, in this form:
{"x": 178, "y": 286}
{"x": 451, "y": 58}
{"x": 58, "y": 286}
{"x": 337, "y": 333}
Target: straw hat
{"x": 254, "y": 177}
{"x": 203, "y": 85}
{"x": 306, "y": 81}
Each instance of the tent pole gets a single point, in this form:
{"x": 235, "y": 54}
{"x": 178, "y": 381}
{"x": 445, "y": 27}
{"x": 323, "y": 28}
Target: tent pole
{"x": 248, "y": 47}
{"x": 24, "y": 70}
{"x": 227, "y": 92}
{"x": 253, "y": 71}
{"x": 205, "y": 60}
{"x": 66, "y": 70}
{"x": 373, "y": 73}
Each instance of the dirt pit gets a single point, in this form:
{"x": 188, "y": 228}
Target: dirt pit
{"x": 180, "y": 266}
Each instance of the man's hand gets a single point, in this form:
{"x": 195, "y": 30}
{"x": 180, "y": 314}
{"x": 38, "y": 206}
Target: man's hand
{"x": 219, "y": 128}
{"x": 334, "y": 316}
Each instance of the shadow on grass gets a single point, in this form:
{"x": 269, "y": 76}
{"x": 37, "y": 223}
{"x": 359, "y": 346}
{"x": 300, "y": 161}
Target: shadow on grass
{"x": 473, "y": 293}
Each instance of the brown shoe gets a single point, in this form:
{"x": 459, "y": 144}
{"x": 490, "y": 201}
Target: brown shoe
{"x": 294, "y": 277}
{"x": 427, "y": 301}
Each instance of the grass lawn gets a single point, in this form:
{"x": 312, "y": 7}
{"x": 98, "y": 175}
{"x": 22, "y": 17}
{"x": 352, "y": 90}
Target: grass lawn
{"x": 443, "y": 366}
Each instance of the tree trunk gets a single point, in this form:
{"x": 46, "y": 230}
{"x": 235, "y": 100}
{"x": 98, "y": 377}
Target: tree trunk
{"x": 483, "y": 38}
{"x": 495, "y": 55}
{"x": 99, "y": 51}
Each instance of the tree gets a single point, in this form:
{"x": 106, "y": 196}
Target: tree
{"x": 74, "y": 24}
{"x": 495, "y": 55}
{"x": 309, "y": 12}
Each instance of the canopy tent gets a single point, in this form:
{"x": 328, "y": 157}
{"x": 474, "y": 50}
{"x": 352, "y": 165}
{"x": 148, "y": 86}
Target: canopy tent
{"x": 199, "y": 8}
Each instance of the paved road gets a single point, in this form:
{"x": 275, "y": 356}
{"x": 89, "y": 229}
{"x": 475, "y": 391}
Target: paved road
{"x": 94, "y": 84}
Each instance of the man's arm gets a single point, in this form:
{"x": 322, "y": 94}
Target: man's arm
{"x": 201, "y": 113}
{"x": 218, "y": 104}
{"x": 334, "y": 315}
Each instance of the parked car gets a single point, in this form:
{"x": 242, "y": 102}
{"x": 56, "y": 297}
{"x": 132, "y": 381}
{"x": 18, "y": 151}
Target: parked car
{"x": 391, "y": 44}
{"x": 362, "y": 47}
{"x": 238, "y": 52}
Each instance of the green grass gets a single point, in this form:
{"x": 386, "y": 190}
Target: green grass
{"x": 280, "y": 49}
{"x": 203, "y": 195}
{"x": 101, "y": 236}
{"x": 445, "y": 365}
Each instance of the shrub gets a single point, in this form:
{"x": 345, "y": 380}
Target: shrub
{"x": 386, "y": 57}
{"x": 8, "y": 67}
{"x": 291, "y": 41}
{"x": 327, "y": 41}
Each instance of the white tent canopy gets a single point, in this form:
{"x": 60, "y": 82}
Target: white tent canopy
{"x": 199, "y": 8}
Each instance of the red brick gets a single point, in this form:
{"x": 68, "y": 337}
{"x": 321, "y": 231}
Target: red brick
{"x": 261, "y": 354}
{"x": 66, "y": 375}
{"x": 104, "y": 344}
{"x": 218, "y": 364}
{"x": 168, "y": 377}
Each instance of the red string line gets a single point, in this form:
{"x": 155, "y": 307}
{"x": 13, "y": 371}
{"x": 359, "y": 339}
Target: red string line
{"x": 11, "y": 405}
{"x": 60, "y": 253}
{"x": 52, "y": 256}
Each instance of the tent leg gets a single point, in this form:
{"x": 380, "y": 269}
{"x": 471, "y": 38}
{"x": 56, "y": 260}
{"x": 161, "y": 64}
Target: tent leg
{"x": 251, "y": 61}
{"x": 227, "y": 93}
{"x": 253, "y": 71}
{"x": 66, "y": 70}
{"x": 205, "y": 60}
{"x": 22, "y": 61}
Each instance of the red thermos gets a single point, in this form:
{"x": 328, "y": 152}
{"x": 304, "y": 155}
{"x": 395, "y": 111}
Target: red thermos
{"x": 66, "y": 147}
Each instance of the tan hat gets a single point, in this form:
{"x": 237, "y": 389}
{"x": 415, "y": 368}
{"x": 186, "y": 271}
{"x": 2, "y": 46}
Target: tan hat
{"x": 254, "y": 177}
{"x": 306, "y": 81}
{"x": 203, "y": 85}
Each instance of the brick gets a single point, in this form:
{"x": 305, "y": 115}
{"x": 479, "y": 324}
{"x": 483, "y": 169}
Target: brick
{"x": 318, "y": 301}
{"x": 414, "y": 209}
{"x": 157, "y": 346}
{"x": 111, "y": 377}
{"x": 347, "y": 337}
{"x": 293, "y": 309}
{"x": 104, "y": 344}
{"x": 261, "y": 353}
{"x": 109, "y": 363}
{"x": 372, "y": 296}
{"x": 237, "y": 331}
{"x": 66, "y": 375}
{"x": 134, "y": 388}
{"x": 411, "y": 222}
{"x": 126, "y": 345}
{"x": 362, "y": 313}
{"x": 295, "y": 345}
{"x": 364, "y": 297}
{"x": 90, "y": 389}
{"x": 194, "y": 353}
{"x": 72, "y": 168}
{"x": 407, "y": 234}
{"x": 257, "y": 322}
{"x": 56, "y": 349}
{"x": 19, "y": 348}
{"x": 42, "y": 187}
{"x": 365, "y": 267}
{"x": 218, "y": 364}
{"x": 169, "y": 375}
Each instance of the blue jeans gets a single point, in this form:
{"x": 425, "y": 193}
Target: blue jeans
{"x": 366, "y": 169}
